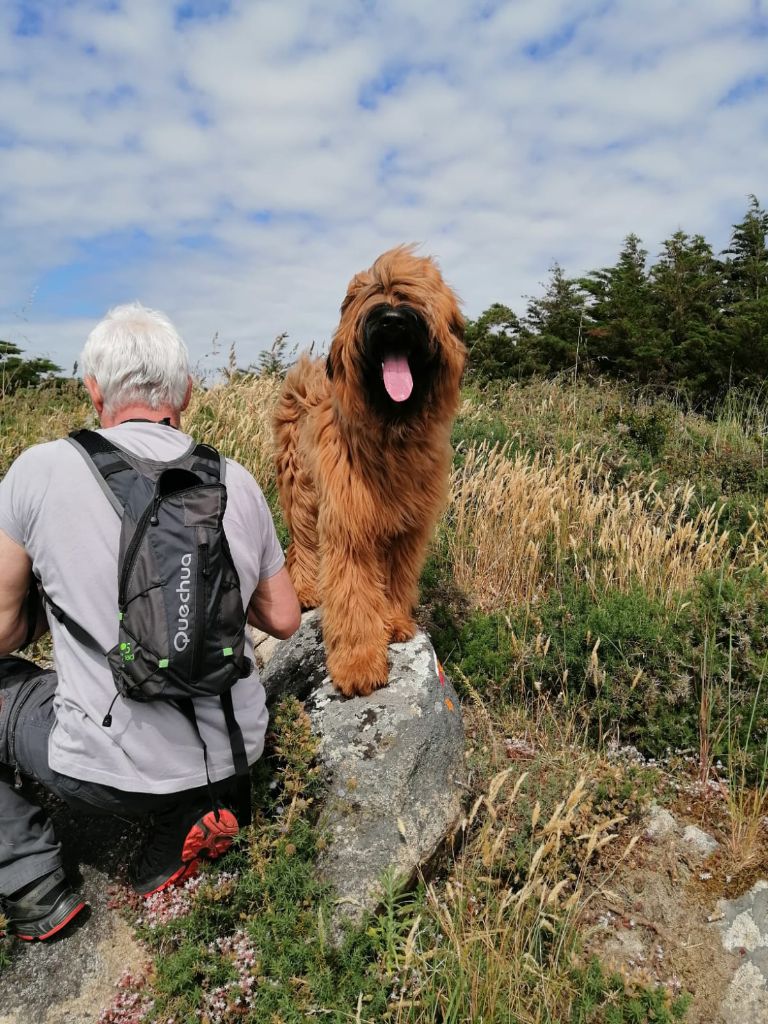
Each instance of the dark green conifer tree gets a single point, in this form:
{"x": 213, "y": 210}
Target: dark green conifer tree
{"x": 746, "y": 274}
{"x": 492, "y": 344}
{"x": 551, "y": 333}
{"x": 688, "y": 292}
{"x": 623, "y": 339}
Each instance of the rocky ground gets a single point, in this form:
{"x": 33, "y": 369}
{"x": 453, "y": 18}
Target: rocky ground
{"x": 660, "y": 920}
{"x": 69, "y": 979}
{"x": 669, "y": 913}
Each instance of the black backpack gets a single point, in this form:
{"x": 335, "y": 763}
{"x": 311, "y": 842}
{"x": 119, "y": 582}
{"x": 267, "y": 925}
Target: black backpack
{"x": 181, "y": 623}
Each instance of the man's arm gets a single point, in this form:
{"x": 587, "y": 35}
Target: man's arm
{"x": 15, "y": 579}
{"x": 274, "y": 607}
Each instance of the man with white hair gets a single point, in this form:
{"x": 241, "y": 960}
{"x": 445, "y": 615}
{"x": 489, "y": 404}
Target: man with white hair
{"x": 59, "y": 531}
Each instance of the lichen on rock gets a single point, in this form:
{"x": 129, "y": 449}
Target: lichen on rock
{"x": 393, "y": 763}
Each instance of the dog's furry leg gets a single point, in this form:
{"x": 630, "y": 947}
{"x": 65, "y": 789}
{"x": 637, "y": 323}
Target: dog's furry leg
{"x": 301, "y": 557}
{"x": 406, "y": 557}
{"x": 354, "y": 631}
{"x": 297, "y": 493}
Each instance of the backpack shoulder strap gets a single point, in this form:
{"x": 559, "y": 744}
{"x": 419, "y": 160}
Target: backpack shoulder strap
{"x": 105, "y": 462}
{"x": 205, "y": 459}
{"x": 77, "y": 631}
{"x": 243, "y": 809}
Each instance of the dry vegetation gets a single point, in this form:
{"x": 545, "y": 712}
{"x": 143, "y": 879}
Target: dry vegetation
{"x": 236, "y": 418}
{"x": 517, "y": 522}
{"x": 602, "y": 560}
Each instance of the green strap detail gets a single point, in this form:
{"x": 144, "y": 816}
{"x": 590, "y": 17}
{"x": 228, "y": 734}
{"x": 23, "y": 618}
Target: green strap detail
{"x": 163, "y": 663}
{"x": 227, "y": 652}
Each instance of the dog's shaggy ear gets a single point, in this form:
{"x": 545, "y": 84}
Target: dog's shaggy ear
{"x": 334, "y": 364}
{"x": 356, "y": 285}
{"x": 457, "y": 327}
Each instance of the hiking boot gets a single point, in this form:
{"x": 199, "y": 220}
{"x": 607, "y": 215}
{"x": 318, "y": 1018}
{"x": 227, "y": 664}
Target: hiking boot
{"x": 173, "y": 852}
{"x": 43, "y": 908}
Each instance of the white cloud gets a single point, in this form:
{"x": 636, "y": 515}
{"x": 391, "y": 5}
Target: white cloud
{"x": 246, "y": 131}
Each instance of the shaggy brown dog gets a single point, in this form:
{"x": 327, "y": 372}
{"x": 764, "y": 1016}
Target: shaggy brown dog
{"x": 363, "y": 457}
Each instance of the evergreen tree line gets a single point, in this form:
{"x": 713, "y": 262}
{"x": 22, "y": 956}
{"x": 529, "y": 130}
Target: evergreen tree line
{"x": 17, "y": 372}
{"x": 693, "y": 320}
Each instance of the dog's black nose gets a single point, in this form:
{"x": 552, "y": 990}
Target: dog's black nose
{"x": 388, "y": 318}
{"x": 396, "y": 315}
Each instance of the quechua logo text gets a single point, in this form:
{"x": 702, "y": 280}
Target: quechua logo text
{"x": 181, "y": 639}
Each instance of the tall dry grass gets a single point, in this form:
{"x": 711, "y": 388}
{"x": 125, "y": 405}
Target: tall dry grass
{"x": 236, "y": 417}
{"x": 32, "y": 416}
{"x": 506, "y": 944}
{"x": 516, "y": 522}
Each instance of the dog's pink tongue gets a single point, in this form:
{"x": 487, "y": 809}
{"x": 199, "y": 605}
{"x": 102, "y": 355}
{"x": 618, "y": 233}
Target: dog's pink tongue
{"x": 397, "y": 377}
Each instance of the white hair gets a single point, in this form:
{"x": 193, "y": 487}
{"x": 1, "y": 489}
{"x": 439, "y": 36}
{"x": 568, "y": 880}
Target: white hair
{"x": 136, "y": 356}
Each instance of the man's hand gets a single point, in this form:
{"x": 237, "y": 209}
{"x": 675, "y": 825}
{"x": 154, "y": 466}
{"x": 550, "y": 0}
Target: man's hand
{"x": 15, "y": 581}
{"x": 274, "y": 607}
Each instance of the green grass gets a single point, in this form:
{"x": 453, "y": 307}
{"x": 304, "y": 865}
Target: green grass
{"x": 602, "y": 661}
{"x": 624, "y": 663}
{"x": 606, "y": 999}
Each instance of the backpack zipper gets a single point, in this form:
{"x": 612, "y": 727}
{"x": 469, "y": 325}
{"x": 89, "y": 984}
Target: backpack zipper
{"x": 150, "y": 513}
{"x": 201, "y": 602}
{"x": 133, "y": 547}
{"x": 17, "y": 781}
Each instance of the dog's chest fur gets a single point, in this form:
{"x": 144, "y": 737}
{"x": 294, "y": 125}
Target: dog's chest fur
{"x": 369, "y": 475}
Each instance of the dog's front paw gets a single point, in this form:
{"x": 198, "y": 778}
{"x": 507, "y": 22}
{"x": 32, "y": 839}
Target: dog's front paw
{"x": 359, "y": 671}
{"x": 400, "y": 629}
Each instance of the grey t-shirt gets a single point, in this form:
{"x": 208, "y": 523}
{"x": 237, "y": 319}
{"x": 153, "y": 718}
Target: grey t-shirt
{"x": 52, "y": 505}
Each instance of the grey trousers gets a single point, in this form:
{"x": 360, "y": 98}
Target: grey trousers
{"x": 28, "y": 846}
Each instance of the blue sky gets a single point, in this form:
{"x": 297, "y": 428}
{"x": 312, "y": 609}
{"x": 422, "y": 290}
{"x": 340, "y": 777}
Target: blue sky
{"x": 234, "y": 162}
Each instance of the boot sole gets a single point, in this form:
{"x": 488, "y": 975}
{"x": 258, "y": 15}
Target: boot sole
{"x": 207, "y": 838}
{"x": 46, "y": 927}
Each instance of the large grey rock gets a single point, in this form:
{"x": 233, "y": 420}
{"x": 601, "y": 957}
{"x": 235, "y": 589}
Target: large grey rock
{"x": 744, "y": 930}
{"x": 394, "y": 764}
{"x": 660, "y": 824}
{"x": 746, "y": 1001}
{"x": 297, "y": 666}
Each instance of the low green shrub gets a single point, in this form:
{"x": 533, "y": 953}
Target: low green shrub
{"x": 607, "y": 998}
{"x": 627, "y": 665}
